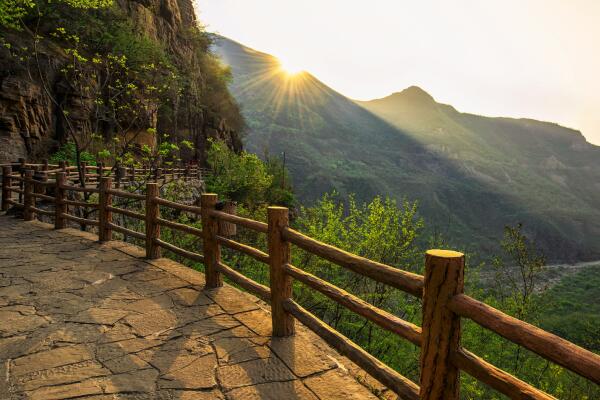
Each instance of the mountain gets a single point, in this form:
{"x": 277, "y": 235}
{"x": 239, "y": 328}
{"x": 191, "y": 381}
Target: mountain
{"x": 472, "y": 175}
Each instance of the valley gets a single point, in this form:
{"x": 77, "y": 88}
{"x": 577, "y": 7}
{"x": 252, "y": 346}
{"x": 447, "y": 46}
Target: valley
{"x": 471, "y": 174}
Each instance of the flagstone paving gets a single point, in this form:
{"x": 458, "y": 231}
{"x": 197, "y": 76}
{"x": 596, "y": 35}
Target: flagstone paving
{"x": 79, "y": 319}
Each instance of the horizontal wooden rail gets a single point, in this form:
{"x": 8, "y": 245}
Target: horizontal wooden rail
{"x": 403, "y": 280}
{"x": 83, "y": 221}
{"x": 79, "y": 203}
{"x": 44, "y": 183}
{"x": 178, "y": 250}
{"x": 547, "y": 345}
{"x": 260, "y": 290}
{"x": 496, "y": 378}
{"x": 42, "y": 212}
{"x": 125, "y": 231}
{"x": 384, "y": 319}
{"x": 15, "y": 203}
{"x": 390, "y": 378}
{"x": 245, "y": 222}
{"x": 19, "y": 191}
{"x": 80, "y": 189}
{"x": 251, "y": 251}
{"x": 42, "y": 196}
{"x": 182, "y": 227}
{"x": 178, "y": 206}
{"x": 128, "y": 195}
{"x": 128, "y": 213}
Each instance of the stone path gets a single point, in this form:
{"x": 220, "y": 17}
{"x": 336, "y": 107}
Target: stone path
{"x": 84, "y": 320}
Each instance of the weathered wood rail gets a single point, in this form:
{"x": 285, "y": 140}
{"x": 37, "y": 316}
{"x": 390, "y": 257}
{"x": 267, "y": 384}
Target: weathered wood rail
{"x": 441, "y": 288}
{"x": 122, "y": 176}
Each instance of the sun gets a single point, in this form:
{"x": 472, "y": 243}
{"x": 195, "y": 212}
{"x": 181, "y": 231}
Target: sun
{"x": 289, "y": 66}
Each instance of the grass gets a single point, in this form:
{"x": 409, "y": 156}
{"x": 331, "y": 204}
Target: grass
{"x": 572, "y": 308}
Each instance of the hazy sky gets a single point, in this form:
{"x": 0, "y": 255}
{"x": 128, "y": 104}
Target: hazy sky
{"x": 519, "y": 58}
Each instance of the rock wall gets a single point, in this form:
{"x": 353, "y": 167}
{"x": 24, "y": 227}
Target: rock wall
{"x": 31, "y": 124}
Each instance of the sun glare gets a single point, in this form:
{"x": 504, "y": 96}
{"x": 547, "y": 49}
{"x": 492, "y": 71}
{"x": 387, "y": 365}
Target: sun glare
{"x": 290, "y": 67}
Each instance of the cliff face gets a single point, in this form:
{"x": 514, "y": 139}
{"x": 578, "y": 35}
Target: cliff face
{"x": 33, "y": 94}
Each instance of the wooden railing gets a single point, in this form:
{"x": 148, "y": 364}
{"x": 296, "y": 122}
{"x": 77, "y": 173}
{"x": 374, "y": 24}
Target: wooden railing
{"x": 122, "y": 176}
{"x": 441, "y": 289}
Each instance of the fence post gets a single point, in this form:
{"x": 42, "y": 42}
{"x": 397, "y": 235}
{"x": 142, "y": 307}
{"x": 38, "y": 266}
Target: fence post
{"x": 104, "y": 214}
{"x": 119, "y": 174}
{"x": 99, "y": 172}
{"x": 152, "y": 225}
{"x": 60, "y": 207}
{"x": 6, "y": 183}
{"x": 281, "y": 283}
{"x": 83, "y": 167}
{"x": 28, "y": 199}
{"x": 444, "y": 278}
{"x": 211, "y": 248}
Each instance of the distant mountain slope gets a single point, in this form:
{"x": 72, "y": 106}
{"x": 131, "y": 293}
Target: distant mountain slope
{"x": 472, "y": 175}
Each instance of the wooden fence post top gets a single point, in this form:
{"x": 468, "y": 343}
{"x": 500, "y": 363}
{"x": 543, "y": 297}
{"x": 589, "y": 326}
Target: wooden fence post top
{"x": 439, "y": 253}
{"x": 208, "y": 198}
{"x": 276, "y": 209}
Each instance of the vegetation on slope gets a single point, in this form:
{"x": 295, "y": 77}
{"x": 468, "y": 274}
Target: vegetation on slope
{"x": 507, "y": 171}
{"x": 106, "y": 77}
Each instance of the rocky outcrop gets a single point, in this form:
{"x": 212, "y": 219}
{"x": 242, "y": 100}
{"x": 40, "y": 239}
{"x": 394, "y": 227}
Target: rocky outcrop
{"x": 24, "y": 118}
{"x": 31, "y": 122}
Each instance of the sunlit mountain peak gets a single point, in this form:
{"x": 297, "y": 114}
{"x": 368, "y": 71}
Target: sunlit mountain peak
{"x": 290, "y": 66}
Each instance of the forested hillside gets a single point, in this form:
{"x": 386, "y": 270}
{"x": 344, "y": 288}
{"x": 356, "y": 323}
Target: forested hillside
{"x": 472, "y": 175}
{"x": 125, "y": 72}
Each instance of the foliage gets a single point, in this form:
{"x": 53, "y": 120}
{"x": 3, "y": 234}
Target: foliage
{"x": 238, "y": 177}
{"x": 516, "y": 280}
{"x": 280, "y": 192}
{"x": 572, "y": 308}
{"x": 13, "y": 11}
{"x": 67, "y": 152}
{"x": 516, "y": 291}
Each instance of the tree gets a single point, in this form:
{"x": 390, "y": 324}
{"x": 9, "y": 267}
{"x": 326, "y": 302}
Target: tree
{"x": 239, "y": 177}
{"x": 517, "y": 273}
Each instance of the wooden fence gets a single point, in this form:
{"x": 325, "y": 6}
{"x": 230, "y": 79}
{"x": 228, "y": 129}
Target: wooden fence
{"x": 441, "y": 289}
{"x": 122, "y": 176}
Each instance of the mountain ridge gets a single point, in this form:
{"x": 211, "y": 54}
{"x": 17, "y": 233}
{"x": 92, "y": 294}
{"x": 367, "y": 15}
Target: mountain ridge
{"x": 472, "y": 175}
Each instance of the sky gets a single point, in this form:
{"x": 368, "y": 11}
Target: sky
{"x": 517, "y": 58}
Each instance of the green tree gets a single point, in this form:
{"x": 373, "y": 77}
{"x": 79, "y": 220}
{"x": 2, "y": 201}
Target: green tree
{"x": 237, "y": 177}
{"x": 13, "y": 11}
{"x": 517, "y": 273}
